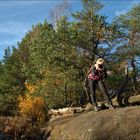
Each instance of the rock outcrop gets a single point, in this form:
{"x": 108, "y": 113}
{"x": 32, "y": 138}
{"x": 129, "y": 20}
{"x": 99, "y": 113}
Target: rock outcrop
{"x": 116, "y": 124}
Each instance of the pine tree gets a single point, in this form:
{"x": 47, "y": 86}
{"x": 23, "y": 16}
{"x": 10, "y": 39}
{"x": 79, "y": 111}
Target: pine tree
{"x": 129, "y": 24}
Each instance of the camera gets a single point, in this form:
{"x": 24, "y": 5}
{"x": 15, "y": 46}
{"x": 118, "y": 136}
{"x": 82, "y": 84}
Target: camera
{"x": 100, "y": 66}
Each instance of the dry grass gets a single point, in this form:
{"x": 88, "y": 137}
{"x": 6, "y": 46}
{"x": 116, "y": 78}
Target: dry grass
{"x": 18, "y": 128}
{"x": 117, "y": 124}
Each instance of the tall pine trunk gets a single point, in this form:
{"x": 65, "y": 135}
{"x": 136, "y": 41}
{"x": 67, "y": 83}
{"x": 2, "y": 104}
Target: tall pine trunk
{"x": 134, "y": 75}
{"x": 65, "y": 94}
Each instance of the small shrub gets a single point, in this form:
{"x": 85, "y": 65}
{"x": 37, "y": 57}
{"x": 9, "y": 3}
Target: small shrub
{"x": 33, "y": 108}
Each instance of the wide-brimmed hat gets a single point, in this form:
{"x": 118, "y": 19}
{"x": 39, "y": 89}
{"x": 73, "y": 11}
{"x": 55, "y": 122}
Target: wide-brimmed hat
{"x": 100, "y": 61}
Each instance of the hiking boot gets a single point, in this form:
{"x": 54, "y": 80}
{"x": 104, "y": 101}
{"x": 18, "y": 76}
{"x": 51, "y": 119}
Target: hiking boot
{"x": 111, "y": 107}
{"x": 96, "y": 108}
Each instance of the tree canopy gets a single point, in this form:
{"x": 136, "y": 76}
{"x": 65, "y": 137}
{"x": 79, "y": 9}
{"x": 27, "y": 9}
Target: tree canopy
{"x": 52, "y": 58}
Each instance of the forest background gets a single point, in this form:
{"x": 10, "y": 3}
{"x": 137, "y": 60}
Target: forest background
{"x": 48, "y": 66}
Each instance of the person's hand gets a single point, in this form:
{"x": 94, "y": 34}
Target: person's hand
{"x": 109, "y": 73}
{"x": 99, "y": 69}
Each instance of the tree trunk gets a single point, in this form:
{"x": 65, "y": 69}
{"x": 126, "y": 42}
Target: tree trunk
{"x": 121, "y": 90}
{"x": 65, "y": 94}
{"x": 134, "y": 75}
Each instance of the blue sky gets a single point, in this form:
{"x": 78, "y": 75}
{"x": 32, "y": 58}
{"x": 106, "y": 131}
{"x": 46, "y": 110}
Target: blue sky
{"x": 17, "y": 17}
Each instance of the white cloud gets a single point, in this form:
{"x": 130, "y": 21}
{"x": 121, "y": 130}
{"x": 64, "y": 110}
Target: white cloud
{"x": 120, "y": 12}
{"x": 8, "y": 43}
{"x": 124, "y": 11}
{"x": 14, "y": 28}
{"x": 30, "y": 6}
{"x": 9, "y": 4}
{"x": 135, "y": 2}
{"x": 15, "y": 14}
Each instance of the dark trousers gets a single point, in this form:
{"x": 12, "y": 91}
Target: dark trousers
{"x": 92, "y": 86}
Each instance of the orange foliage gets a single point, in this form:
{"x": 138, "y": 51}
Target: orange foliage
{"x": 31, "y": 88}
{"x": 33, "y": 108}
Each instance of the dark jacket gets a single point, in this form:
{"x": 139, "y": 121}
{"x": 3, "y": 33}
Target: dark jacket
{"x": 101, "y": 73}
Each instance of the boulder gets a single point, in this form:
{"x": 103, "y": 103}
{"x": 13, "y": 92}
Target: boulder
{"x": 116, "y": 124}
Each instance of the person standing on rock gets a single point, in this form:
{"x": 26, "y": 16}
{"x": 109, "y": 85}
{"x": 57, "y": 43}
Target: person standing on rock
{"x": 96, "y": 76}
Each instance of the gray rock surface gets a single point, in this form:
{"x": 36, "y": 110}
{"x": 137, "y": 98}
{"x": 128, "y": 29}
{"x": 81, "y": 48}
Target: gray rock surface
{"x": 116, "y": 124}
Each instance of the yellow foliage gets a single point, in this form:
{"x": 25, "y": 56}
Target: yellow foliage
{"x": 33, "y": 108}
{"x": 31, "y": 88}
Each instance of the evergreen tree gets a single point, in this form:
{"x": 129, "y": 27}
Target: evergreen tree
{"x": 130, "y": 48}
